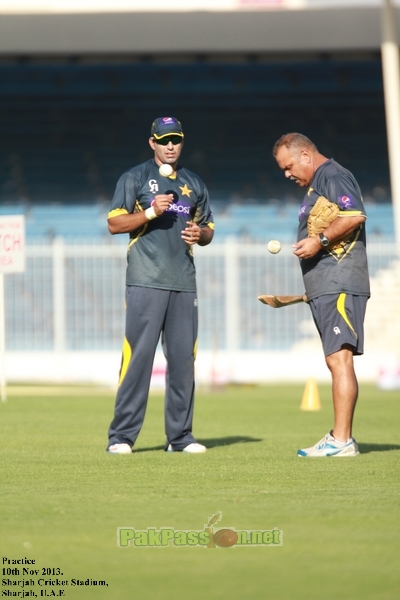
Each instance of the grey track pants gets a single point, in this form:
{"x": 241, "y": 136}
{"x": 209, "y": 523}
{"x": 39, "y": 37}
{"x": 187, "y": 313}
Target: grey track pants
{"x": 149, "y": 313}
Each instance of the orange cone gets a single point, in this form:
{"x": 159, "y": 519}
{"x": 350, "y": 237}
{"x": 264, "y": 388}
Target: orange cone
{"x": 311, "y": 399}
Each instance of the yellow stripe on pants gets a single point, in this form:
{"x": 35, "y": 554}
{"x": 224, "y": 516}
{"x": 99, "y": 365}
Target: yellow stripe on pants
{"x": 126, "y": 357}
{"x": 340, "y": 305}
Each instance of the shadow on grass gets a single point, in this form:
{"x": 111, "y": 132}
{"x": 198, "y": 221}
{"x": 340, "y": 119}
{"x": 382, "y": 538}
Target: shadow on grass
{"x": 150, "y": 449}
{"x": 366, "y": 448}
{"x": 211, "y": 443}
{"x": 228, "y": 441}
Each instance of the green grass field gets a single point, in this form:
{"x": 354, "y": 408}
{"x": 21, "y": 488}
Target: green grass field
{"x": 63, "y": 497}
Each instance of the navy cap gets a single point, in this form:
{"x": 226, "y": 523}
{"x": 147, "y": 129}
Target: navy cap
{"x": 166, "y": 126}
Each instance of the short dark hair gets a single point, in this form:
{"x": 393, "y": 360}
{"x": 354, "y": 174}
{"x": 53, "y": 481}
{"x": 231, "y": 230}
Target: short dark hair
{"x": 297, "y": 141}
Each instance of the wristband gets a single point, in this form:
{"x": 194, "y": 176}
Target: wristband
{"x": 150, "y": 213}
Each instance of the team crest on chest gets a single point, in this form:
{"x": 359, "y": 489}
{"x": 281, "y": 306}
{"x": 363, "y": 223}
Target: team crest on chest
{"x": 153, "y": 185}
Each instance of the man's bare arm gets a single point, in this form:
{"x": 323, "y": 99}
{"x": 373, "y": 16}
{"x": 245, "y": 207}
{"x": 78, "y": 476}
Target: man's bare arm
{"x": 336, "y": 230}
{"x": 126, "y": 223}
{"x": 130, "y": 221}
{"x": 206, "y": 236}
{"x": 342, "y": 226}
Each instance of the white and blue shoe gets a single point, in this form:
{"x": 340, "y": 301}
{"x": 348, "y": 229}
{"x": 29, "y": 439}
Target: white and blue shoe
{"x": 329, "y": 446}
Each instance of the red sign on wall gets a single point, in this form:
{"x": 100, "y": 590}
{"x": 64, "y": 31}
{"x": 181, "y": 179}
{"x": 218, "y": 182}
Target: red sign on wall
{"x": 12, "y": 243}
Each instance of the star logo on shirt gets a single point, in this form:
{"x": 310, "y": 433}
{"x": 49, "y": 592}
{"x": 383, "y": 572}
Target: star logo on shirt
{"x": 185, "y": 190}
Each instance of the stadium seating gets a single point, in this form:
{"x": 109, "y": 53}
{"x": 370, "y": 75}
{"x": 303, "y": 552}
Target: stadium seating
{"x": 68, "y": 131}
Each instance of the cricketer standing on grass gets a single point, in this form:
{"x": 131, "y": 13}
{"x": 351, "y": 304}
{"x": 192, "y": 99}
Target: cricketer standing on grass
{"x": 335, "y": 274}
{"x": 164, "y": 216}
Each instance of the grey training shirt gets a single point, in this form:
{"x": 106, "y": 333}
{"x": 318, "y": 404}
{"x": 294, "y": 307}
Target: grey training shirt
{"x": 157, "y": 255}
{"x": 344, "y": 269}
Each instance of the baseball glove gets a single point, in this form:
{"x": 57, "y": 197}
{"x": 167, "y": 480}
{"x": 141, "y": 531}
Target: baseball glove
{"x": 321, "y": 215}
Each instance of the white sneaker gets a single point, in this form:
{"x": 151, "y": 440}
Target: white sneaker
{"x": 193, "y": 448}
{"x": 329, "y": 446}
{"x": 120, "y": 449}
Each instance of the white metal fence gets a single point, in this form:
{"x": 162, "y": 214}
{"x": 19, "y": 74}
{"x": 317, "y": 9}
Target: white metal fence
{"x": 71, "y": 297}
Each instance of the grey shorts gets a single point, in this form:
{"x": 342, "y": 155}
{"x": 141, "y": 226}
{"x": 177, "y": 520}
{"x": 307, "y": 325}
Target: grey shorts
{"x": 339, "y": 319}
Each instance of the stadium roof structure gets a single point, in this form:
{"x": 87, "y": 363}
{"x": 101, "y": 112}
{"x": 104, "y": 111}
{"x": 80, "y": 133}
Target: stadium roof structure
{"x": 254, "y": 26}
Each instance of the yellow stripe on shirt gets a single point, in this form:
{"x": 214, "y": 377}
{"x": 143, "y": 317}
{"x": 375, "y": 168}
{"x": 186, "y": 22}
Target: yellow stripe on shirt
{"x": 351, "y": 213}
{"x": 117, "y": 212}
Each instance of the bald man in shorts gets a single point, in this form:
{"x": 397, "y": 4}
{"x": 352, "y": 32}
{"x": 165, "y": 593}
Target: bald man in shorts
{"x": 335, "y": 277}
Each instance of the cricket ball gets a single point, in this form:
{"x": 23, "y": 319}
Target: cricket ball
{"x": 274, "y": 246}
{"x": 225, "y": 538}
{"x": 165, "y": 170}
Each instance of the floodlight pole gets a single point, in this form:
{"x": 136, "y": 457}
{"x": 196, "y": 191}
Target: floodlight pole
{"x": 391, "y": 87}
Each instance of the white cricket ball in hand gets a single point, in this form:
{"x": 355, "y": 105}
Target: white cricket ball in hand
{"x": 274, "y": 246}
{"x": 166, "y": 170}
